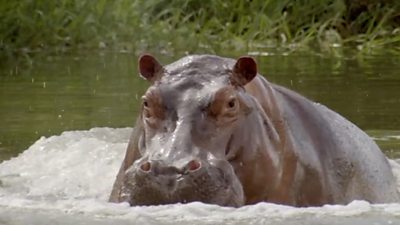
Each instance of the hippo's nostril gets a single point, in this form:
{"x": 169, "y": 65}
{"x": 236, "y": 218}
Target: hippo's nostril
{"x": 146, "y": 166}
{"x": 193, "y": 165}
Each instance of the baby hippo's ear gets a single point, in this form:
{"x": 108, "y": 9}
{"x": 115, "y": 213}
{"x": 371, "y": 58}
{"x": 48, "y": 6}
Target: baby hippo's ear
{"x": 244, "y": 70}
{"x": 149, "y": 68}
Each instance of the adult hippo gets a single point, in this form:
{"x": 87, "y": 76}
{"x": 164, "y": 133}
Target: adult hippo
{"x": 212, "y": 130}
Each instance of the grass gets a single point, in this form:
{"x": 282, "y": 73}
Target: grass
{"x": 210, "y": 25}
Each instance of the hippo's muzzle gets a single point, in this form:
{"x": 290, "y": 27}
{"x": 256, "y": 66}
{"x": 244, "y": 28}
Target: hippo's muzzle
{"x": 153, "y": 182}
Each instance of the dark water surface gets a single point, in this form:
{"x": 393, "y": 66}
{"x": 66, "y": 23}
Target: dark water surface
{"x": 83, "y": 90}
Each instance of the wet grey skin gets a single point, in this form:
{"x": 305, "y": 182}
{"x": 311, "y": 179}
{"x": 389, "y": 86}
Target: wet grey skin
{"x": 211, "y": 129}
{"x": 184, "y": 136}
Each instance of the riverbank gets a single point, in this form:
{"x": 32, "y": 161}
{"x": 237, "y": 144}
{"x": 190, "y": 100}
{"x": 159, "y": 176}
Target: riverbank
{"x": 207, "y": 26}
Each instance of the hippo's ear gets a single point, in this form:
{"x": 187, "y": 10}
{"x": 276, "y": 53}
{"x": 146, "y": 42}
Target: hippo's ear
{"x": 149, "y": 68}
{"x": 244, "y": 71}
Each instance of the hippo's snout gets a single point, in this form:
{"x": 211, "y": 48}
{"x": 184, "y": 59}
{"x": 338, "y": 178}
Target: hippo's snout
{"x": 153, "y": 182}
{"x": 156, "y": 167}
{"x": 167, "y": 177}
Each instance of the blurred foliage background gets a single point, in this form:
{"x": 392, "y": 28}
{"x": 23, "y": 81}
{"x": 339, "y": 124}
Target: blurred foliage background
{"x": 63, "y": 64}
{"x": 35, "y": 25}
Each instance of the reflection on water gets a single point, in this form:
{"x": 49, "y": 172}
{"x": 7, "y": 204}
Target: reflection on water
{"x": 388, "y": 140}
{"x": 81, "y": 91}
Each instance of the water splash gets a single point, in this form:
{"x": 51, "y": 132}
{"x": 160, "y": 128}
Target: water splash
{"x": 68, "y": 178}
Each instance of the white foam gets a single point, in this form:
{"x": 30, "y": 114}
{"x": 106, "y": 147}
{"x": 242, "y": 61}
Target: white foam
{"x": 68, "y": 178}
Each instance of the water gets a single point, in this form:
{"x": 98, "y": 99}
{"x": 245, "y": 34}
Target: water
{"x": 68, "y": 177}
{"x": 84, "y": 90}
{"x": 72, "y": 92}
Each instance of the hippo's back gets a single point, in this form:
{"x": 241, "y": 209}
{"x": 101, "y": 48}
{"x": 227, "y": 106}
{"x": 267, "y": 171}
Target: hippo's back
{"x": 354, "y": 165}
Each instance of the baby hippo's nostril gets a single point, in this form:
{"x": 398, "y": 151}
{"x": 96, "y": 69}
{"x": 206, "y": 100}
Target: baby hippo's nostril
{"x": 193, "y": 165}
{"x": 146, "y": 166}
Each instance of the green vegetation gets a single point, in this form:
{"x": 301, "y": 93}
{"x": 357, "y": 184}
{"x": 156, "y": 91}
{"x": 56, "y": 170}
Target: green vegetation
{"x": 37, "y": 25}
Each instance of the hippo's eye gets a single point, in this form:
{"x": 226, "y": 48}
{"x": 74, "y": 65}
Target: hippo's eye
{"x": 145, "y": 103}
{"x": 232, "y": 103}
{"x": 146, "y": 109}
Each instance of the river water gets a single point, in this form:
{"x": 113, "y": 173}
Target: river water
{"x": 66, "y": 177}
